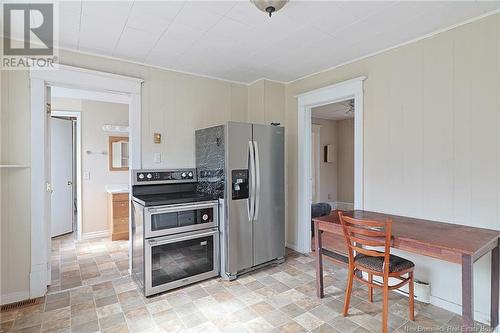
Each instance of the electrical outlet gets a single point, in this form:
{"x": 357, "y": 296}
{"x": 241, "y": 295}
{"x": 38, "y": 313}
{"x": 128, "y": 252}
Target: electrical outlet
{"x": 329, "y": 196}
{"x": 157, "y": 158}
{"x": 86, "y": 175}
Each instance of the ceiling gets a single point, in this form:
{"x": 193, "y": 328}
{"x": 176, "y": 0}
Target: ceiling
{"x": 233, "y": 40}
{"x": 334, "y": 111}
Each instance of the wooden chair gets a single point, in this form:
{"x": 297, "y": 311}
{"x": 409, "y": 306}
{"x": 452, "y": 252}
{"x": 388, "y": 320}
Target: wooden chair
{"x": 362, "y": 233}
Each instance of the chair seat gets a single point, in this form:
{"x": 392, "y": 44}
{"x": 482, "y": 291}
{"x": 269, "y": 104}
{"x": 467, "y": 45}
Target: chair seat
{"x": 396, "y": 264}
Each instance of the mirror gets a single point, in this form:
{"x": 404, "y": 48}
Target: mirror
{"x": 118, "y": 153}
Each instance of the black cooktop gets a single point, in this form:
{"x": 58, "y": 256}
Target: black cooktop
{"x": 162, "y": 199}
{"x": 169, "y": 194}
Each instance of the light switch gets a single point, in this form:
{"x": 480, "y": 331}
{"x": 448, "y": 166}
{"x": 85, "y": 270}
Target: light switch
{"x": 157, "y": 158}
{"x": 86, "y": 175}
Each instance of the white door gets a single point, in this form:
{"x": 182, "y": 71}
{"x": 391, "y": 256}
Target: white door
{"x": 61, "y": 158}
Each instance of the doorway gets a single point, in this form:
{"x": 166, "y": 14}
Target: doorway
{"x": 125, "y": 88}
{"x": 99, "y": 120}
{"x": 333, "y": 154}
{"x": 344, "y": 91}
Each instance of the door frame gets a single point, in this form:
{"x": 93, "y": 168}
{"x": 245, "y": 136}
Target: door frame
{"x": 316, "y": 130}
{"x": 78, "y": 163}
{"x": 350, "y": 89}
{"x": 80, "y": 94}
{"x": 80, "y": 78}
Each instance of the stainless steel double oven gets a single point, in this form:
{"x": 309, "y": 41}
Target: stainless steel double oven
{"x": 175, "y": 234}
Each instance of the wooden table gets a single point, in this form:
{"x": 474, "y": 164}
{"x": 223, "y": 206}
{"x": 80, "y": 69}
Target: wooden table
{"x": 454, "y": 243}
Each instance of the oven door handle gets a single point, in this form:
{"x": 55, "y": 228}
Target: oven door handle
{"x": 167, "y": 240}
{"x": 177, "y": 208}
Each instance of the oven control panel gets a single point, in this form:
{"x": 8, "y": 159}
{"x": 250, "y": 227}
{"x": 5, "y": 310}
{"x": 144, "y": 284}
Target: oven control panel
{"x": 164, "y": 176}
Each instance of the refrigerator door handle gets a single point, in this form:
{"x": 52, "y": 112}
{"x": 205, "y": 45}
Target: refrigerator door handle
{"x": 257, "y": 181}
{"x": 251, "y": 171}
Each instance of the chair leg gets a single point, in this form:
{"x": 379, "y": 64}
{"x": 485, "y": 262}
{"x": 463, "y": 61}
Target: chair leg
{"x": 385, "y": 310}
{"x": 348, "y": 292}
{"x": 412, "y": 297}
{"x": 370, "y": 289}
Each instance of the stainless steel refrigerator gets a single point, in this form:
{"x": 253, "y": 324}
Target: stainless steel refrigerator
{"x": 244, "y": 165}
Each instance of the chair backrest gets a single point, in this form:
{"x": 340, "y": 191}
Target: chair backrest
{"x": 361, "y": 233}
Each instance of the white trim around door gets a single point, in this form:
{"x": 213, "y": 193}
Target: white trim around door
{"x": 69, "y": 77}
{"x": 351, "y": 89}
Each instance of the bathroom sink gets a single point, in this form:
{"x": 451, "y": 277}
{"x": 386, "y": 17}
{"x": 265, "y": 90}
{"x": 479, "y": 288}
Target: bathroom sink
{"x": 117, "y": 188}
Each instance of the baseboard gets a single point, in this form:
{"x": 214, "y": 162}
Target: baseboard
{"x": 333, "y": 204}
{"x": 14, "y": 297}
{"x": 95, "y": 234}
{"x": 457, "y": 308}
{"x": 292, "y": 246}
{"x": 444, "y": 304}
{"x": 342, "y": 205}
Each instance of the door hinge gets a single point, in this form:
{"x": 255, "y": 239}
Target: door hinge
{"x": 49, "y": 108}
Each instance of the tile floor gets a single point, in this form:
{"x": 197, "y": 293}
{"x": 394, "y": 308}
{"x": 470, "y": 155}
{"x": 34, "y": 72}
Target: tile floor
{"x": 84, "y": 263}
{"x": 102, "y": 298}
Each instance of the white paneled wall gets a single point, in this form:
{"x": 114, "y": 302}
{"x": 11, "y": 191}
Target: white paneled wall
{"x": 266, "y": 102}
{"x": 432, "y": 140}
{"x": 14, "y": 186}
{"x": 173, "y": 104}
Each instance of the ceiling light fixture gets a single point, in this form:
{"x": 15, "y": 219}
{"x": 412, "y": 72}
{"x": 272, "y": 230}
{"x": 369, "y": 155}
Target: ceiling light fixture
{"x": 269, "y": 6}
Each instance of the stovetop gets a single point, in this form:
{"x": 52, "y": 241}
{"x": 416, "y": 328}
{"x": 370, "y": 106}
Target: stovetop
{"x": 162, "y": 199}
{"x": 167, "y": 187}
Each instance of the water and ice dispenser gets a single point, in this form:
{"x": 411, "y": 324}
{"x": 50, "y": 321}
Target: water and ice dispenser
{"x": 239, "y": 183}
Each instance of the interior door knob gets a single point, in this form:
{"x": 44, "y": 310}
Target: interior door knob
{"x": 70, "y": 183}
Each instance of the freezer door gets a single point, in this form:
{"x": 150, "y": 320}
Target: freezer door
{"x": 238, "y": 227}
{"x": 269, "y": 216}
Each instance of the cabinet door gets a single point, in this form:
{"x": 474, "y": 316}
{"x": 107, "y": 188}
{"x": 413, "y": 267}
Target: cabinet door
{"x": 118, "y": 214}
{"x": 120, "y": 209}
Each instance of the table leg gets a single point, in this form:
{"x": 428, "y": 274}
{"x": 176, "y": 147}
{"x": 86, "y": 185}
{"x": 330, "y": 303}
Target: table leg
{"x": 495, "y": 285}
{"x": 467, "y": 292}
{"x": 319, "y": 261}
